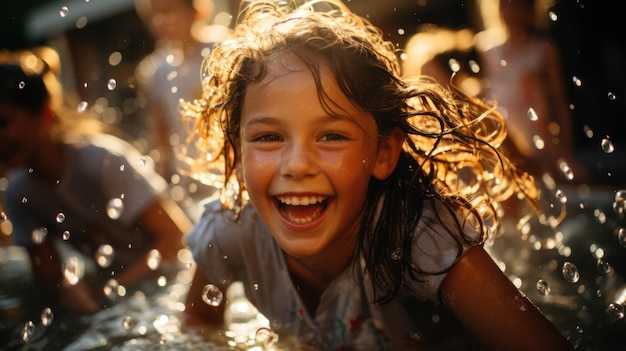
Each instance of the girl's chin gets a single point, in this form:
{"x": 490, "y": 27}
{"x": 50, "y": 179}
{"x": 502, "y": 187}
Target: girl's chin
{"x": 299, "y": 248}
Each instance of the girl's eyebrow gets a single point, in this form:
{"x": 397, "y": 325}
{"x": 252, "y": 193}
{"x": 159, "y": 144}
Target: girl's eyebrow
{"x": 260, "y": 120}
{"x": 264, "y": 119}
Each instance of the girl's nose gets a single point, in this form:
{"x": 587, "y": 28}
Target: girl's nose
{"x": 298, "y": 160}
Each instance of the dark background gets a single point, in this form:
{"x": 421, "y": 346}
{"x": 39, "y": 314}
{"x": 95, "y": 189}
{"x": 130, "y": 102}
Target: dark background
{"x": 589, "y": 34}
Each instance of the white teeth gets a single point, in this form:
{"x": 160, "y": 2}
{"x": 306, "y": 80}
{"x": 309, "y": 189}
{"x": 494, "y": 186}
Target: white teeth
{"x": 301, "y": 220}
{"x": 301, "y": 201}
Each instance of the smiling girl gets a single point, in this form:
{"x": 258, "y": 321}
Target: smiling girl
{"x": 353, "y": 203}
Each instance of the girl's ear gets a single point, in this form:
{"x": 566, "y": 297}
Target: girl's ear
{"x": 389, "y": 149}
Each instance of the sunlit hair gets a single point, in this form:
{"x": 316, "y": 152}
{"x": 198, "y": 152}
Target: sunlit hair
{"x": 30, "y": 80}
{"x": 451, "y": 154}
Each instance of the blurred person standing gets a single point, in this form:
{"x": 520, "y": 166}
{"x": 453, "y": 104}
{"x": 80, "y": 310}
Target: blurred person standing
{"x": 183, "y": 37}
{"x": 446, "y": 55}
{"x": 524, "y": 78}
{"x": 88, "y": 209}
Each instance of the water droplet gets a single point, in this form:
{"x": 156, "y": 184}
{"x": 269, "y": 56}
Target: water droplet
{"x": 570, "y": 272}
{"x": 66, "y": 235}
{"x": 28, "y": 330}
{"x": 448, "y": 299}
{"x": 532, "y": 115}
{"x": 560, "y": 195}
{"x": 122, "y": 168}
{"x": 611, "y": 96}
{"x": 538, "y": 142}
{"x": 3, "y": 217}
{"x": 153, "y": 260}
{"x": 265, "y": 336}
{"x": 607, "y": 146}
{"x": 39, "y": 235}
{"x": 47, "y": 316}
{"x": 600, "y": 216}
{"x": 104, "y": 255}
{"x": 142, "y": 161}
{"x": 616, "y": 310}
{"x": 110, "y": 288}
{"x": 454, "y": 65}
{"x": 111, "y": 84}
{"x": 396, "y": 254}
{"x": 474, "y": 66}
{"x": 60, "y": 217}
{"x": 543, "y": 287}
{"x": 552, "y": 16}
{"x": 577, "y": 81}
{"x": 115, "y": 208}
{"x": 162, "y": 281}
{"x": 127, "y": 322}
{"x": 520, "y": 303}
{"x": 212, "y": 295}
{"x": 603, "y": 266}
{"x": 621, "y": 236}
{"x": 73, "y": 270}
{"x": 619, "y": 203}
{"x": 63, "y": 11}
{"x": 21, "y": 85}
{"x": 415, "y": 335}
{"x": 566, "y": 170}
{"x": 82, "y": 106}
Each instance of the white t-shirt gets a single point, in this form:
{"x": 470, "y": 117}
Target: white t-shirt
{"x": 245, "y": 251}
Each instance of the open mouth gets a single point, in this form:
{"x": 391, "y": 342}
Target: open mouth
{"x": 302, "y": 209}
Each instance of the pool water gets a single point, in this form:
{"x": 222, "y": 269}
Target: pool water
{"x": 146, "y": 319}
{"x": 579, "y": 285}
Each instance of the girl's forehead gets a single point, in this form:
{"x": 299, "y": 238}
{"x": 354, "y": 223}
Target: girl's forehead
{"x": 289, "y": 80}
{"x": 278, "y": 65}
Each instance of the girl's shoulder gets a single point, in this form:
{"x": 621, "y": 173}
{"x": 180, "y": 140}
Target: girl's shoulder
{"x": 219, "y": 226}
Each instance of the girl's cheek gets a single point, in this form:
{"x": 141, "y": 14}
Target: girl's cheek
{"x": 349, "y": 162}
{"x": 255, "y": 161}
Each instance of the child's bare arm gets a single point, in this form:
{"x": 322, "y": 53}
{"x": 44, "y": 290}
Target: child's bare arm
{"x": 47, "y": 271}
{"x": 198, "y": 314}
{"x": 493, "y": 310}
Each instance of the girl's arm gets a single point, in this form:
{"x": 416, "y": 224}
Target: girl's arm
{"x": 47, "y": 271}
{"x": 167, "y": 222}
{"x": 493, "y": 310}
{"x": 198, "y": 314}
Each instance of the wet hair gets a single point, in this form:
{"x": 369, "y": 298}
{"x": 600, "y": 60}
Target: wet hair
{"x": 450, "y": 156}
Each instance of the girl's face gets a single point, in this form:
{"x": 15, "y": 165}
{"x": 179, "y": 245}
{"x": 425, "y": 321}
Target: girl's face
{"x": 306, "y": 171}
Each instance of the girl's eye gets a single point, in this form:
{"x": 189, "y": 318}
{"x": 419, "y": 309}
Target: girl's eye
{"x": 333, "y": 137}
{"x": 267, "y": 138}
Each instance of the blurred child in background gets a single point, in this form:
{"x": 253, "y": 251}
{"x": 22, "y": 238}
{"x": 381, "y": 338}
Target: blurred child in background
{"x": 183, "y": 38}
{"x": 77, "y": 195}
